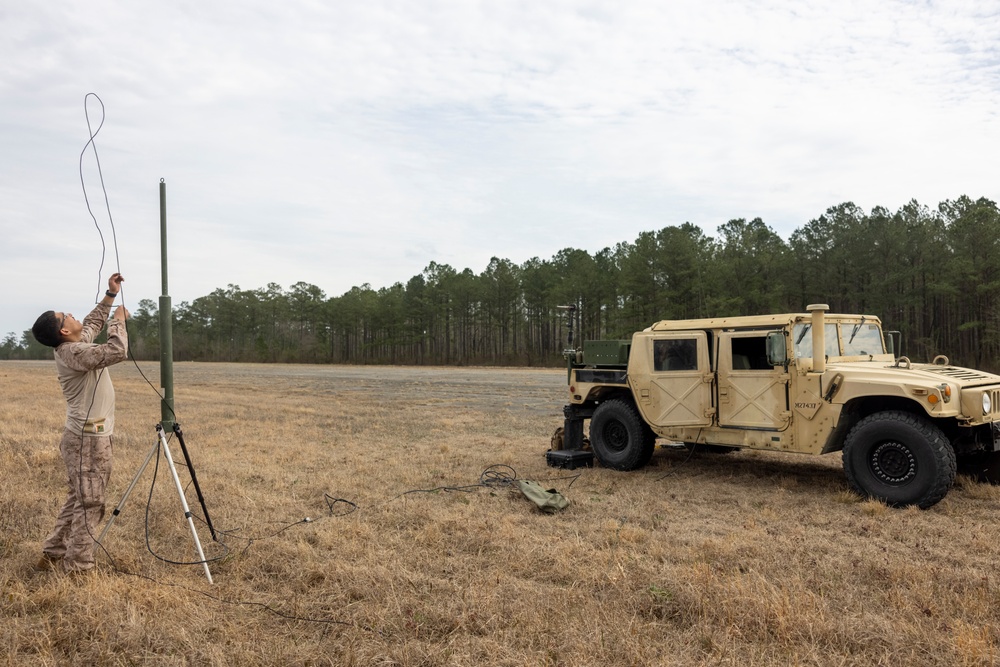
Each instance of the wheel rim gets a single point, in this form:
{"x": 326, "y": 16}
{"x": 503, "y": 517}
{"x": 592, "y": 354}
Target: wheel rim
{"x": 616, "y": 436}
{"x": 893, "y": 463}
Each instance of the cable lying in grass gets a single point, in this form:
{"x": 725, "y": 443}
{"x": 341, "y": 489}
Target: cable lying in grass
{"x": 498, "y": 476}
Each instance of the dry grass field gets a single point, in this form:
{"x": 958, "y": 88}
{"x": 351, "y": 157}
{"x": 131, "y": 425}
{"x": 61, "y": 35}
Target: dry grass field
{"x": 743, "y": 559}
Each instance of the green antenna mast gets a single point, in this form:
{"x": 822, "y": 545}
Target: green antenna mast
{"x": 166, "y": 324}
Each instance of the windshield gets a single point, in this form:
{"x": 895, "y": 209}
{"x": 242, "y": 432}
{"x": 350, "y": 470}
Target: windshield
{"x": 863, "y": 338}
{"x": 802, "y": 335}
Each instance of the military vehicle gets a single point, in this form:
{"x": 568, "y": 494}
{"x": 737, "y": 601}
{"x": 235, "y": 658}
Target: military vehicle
{"x": 805, "y": 383}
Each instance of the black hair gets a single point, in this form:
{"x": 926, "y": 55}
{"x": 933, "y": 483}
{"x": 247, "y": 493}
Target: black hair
{"x": 46, "y": 329}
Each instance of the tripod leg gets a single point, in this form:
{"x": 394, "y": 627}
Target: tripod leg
{"x": 184, "y": 504}
{"x": 194, "y": 478}
{"x": 121, "y": 503}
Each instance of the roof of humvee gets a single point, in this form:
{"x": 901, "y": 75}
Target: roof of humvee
{"x": 753, "y": 321}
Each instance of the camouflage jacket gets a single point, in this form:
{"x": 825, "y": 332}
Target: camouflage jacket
{"x": 84, "y": 377}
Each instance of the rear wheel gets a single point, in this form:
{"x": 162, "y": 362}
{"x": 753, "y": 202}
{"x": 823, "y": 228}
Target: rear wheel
{"x": 619, "y": 437}
{"x": 899, "y": 458}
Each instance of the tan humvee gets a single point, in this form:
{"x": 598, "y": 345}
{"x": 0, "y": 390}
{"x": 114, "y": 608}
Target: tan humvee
{"x": 756, "y": 382}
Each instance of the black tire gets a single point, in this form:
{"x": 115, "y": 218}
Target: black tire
{"x": 899, "y": 458}
{"x": 619, "y": 437}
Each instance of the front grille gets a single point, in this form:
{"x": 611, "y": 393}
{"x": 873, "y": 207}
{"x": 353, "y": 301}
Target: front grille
{"x": 972, "y": 404}
{"x": 995, "y": 402}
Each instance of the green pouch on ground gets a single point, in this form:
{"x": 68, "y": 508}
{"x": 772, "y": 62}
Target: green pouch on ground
{"x": 549, "y": 501}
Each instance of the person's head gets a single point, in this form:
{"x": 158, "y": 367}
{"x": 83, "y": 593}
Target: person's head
{"x": 52, "y": 328}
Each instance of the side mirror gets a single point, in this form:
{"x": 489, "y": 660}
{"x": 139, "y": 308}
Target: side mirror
{"x": 777, "y": 353}
{"x": 890, "y": 342}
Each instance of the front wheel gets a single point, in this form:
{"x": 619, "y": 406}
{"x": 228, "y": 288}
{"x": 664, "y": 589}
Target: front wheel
{"x": 619, "y": 437}
{"x": 899, "y": 458}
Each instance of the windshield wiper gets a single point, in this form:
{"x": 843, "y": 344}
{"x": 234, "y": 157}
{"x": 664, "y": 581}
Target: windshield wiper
{"x": 803, "y": 334}
{"x": 854, "y": 331}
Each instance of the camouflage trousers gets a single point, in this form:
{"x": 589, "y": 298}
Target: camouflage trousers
{"x": 88, "y": 469}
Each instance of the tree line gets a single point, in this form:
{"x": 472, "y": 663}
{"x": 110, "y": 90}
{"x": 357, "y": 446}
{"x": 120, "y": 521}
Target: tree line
{"x": 933, "y": 274}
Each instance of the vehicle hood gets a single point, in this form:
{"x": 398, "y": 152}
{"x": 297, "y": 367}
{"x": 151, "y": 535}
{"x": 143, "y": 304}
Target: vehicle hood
{"x": 930, "y": 373}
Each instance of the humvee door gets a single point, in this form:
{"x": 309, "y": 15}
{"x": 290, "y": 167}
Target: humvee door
{"x": 673, "y": 382}
{"x": 752, "y": 394}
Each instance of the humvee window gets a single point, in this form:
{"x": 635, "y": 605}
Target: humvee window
{"x": 750, "y": 354}
{"x": 861, "y": 339}
{"x": 802, "y": 337}
{"x": 679, "y": 354}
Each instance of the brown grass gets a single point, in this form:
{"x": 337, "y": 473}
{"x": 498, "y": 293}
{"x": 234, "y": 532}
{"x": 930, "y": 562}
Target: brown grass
{"x": 748, "y": 558}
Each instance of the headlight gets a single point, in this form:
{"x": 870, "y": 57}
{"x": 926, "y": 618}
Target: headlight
{"x": 987, "y": 403}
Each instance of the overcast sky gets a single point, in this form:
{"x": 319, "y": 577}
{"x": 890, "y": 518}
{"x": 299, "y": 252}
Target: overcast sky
{"x": 341, "y": 143}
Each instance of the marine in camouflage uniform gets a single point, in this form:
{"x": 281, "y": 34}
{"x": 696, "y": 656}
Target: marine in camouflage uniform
{"x": 86, "y": 444}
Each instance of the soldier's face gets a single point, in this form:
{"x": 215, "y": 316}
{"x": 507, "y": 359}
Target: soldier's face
{"x": 69, "y": 324}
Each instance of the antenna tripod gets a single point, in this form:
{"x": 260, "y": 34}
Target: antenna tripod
{"x": 167, "y": 404}
{"x": 162, "y": 442}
